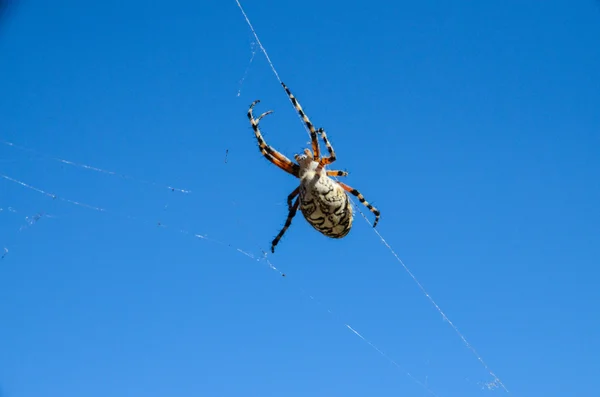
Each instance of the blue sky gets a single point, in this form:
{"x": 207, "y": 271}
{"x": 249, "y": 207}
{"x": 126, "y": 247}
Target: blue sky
{"x": 472, "y": 126}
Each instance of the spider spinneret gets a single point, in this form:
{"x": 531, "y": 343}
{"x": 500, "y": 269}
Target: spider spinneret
{"x": 323, "y": 201}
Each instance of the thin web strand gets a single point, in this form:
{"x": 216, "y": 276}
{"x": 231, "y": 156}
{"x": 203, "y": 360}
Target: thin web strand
{"x": 468, "y": 345}
{"x": 30, "y": 220}
{"x": 261, "y": 258}
{"x": 258, "y": 40}
{"x": 103, "y": 210}
{"x": 51, "y": 195}
{"x": 354, "y": 331}
{"x": 247, "y": 69}
{"x": 92, "y": 168}
{"x": 438, "y": 308}
{"x": 264, "y": 51}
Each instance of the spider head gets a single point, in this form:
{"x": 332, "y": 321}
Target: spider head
{"x": 307, "y": 163}
{"x": 304, "y": 160}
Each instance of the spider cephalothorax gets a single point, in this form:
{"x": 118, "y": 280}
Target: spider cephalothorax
{"x": 322, "y": 200}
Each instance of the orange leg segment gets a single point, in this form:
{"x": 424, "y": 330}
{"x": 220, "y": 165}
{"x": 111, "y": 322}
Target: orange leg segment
{"x": 271, "y": 154}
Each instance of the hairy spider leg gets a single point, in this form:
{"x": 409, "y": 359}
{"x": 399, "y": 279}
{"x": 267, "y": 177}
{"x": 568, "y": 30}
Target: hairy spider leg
{"x": 361, "y": 198}
{"x": 271, "y": 154}
{"x": 311, "y": 128}
{"x": 291, "y": 197}
{"x": 288, "y": 222}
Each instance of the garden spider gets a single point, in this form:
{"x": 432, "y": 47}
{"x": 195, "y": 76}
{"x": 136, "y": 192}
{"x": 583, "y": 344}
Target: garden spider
{"x": 323, "y": 201}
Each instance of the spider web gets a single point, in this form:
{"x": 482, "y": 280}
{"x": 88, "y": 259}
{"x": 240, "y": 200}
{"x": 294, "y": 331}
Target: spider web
{"x": 496, "y": 381}
{"x": 261, "y": 258}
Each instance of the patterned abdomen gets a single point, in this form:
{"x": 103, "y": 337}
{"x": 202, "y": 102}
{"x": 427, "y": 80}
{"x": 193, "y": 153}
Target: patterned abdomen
{"x": 326, "y": 206}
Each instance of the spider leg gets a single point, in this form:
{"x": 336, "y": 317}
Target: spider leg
{"x": 361, "y": 198}
{"x": 336, "y": 173}
{"x": 270, "y": 154}
{"x": 311, "y": 128}
{"x": 291, "y": 197}
{"x": 280, "y": 164}
{"x": 326, "y": 160}
{"x": 288, "y": 222}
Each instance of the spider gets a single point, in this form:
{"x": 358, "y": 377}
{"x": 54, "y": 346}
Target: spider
{"x": 323, "y": 201}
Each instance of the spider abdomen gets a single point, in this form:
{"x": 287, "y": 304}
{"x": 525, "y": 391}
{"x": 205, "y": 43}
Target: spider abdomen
{"x": 325, "y": 205}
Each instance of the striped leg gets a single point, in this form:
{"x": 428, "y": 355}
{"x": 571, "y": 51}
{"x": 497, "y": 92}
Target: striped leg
{"x": 271, "y": 154}
{"x": 331, "y": 158}
{"x": 311, "y": 127}
{"x": 361, "y": 198}
{"x": 288, "y": 222}
{"x": 336, "y": 173}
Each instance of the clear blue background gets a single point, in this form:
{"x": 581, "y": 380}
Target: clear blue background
{"x": 473, "y": 126}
